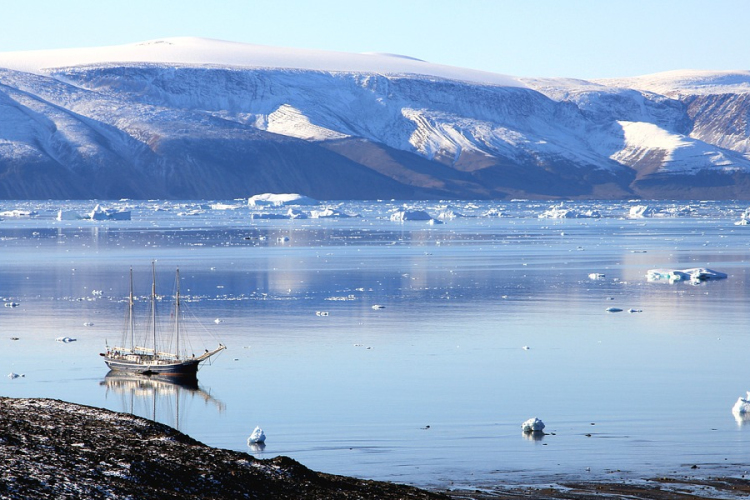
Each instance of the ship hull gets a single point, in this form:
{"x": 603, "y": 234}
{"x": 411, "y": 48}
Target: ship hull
{"x": 188, "y": 368}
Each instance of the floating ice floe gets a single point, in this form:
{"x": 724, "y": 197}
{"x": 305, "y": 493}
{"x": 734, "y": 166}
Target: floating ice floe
{"x": 404, "y": 215}
{"x": 68, "y": 215}
{"x": 65, "y": 339}
{"x": 561, "y": 212}
{"x": 268, "y": 216}
{"x": 329, "y": 213}
{"x": 257, "y": 436}
{"x": 278, "y": 200}
{"x": 224, "y": 206}
{"x": 294, "y": 213}
{"x": 99, "y": 213}
{"x": 694, "y": 275}
{"x": 448, "y": 214}
{"x": 18, "y": 214}
{"x": 532, "y": 425}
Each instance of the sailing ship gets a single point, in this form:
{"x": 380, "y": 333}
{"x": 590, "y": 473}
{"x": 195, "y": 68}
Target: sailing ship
{"x": 153, "y": 360}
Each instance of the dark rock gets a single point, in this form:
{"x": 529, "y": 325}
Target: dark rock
{"x": 53, "y": 449}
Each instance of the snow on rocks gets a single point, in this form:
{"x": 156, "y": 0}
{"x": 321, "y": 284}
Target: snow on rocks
{"x": 532, "y": 425}
{"x": 257, "y": 436}
{"x": 279, "y": 200}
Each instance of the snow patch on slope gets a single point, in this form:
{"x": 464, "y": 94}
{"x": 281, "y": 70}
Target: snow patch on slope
{"x": 288, "y": 120}
{"x": 681, "y": 154}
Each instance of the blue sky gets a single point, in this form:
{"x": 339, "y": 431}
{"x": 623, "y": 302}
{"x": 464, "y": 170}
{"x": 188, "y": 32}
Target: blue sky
{"x": 574, "y": 38}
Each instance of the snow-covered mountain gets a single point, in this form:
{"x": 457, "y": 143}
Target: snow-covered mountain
{"x": 197, "y": 118}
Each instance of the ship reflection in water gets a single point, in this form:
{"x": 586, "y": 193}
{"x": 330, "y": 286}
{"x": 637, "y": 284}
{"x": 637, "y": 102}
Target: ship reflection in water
{"x": 158, "y": 398}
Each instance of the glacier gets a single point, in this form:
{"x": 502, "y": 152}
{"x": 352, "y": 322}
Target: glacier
{"x": 191, "y": 118}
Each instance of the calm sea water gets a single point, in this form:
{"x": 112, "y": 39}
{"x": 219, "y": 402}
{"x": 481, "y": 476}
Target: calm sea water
{"x": 431, "y": 389}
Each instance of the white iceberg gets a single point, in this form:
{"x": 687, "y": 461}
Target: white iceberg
{"x": 278, "y": 200}
{"x": 404, "y": 215}
{"x": 742, "y": 406}
{"x": 641, "y": 211}
{"x": 532, "y": 425}
{"x": 694, "y": 275}
{"x": 100, "y": 213}
{"x": 257, "y": 437}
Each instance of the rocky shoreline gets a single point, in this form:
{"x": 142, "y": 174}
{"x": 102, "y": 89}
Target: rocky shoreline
{"x": 53, "y": 449}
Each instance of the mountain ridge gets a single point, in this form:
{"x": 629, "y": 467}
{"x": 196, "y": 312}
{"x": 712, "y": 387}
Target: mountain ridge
{"x": 102, "y": 124}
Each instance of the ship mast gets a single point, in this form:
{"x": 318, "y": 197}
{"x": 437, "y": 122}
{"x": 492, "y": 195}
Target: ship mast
{"x": 177, "y": 315}
{"x": 153, "y": 302}
{"x": 131, "y": 319}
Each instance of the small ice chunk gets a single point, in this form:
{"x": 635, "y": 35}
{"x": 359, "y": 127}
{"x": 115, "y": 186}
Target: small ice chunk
{"x": 526, "y": 348}
{"x": 13, "y": 375}
{"x": 218, "y": 321}
{"x": 257, "y": 437}
{"x": 68, "y": 215}
{"x": 321, "y": 313}
{"x": 65, "y": 339}
{"x": 596, "y": 276}
{"x": 378, "y": 306}
{"x": 404, "y": 215}
{"x": 533, "y": 425}
{"x": 742, "y": 406}
{"x": 278, "y": 200}
{"x": 88, "y": 323}
{"x": 694, "y": 275}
